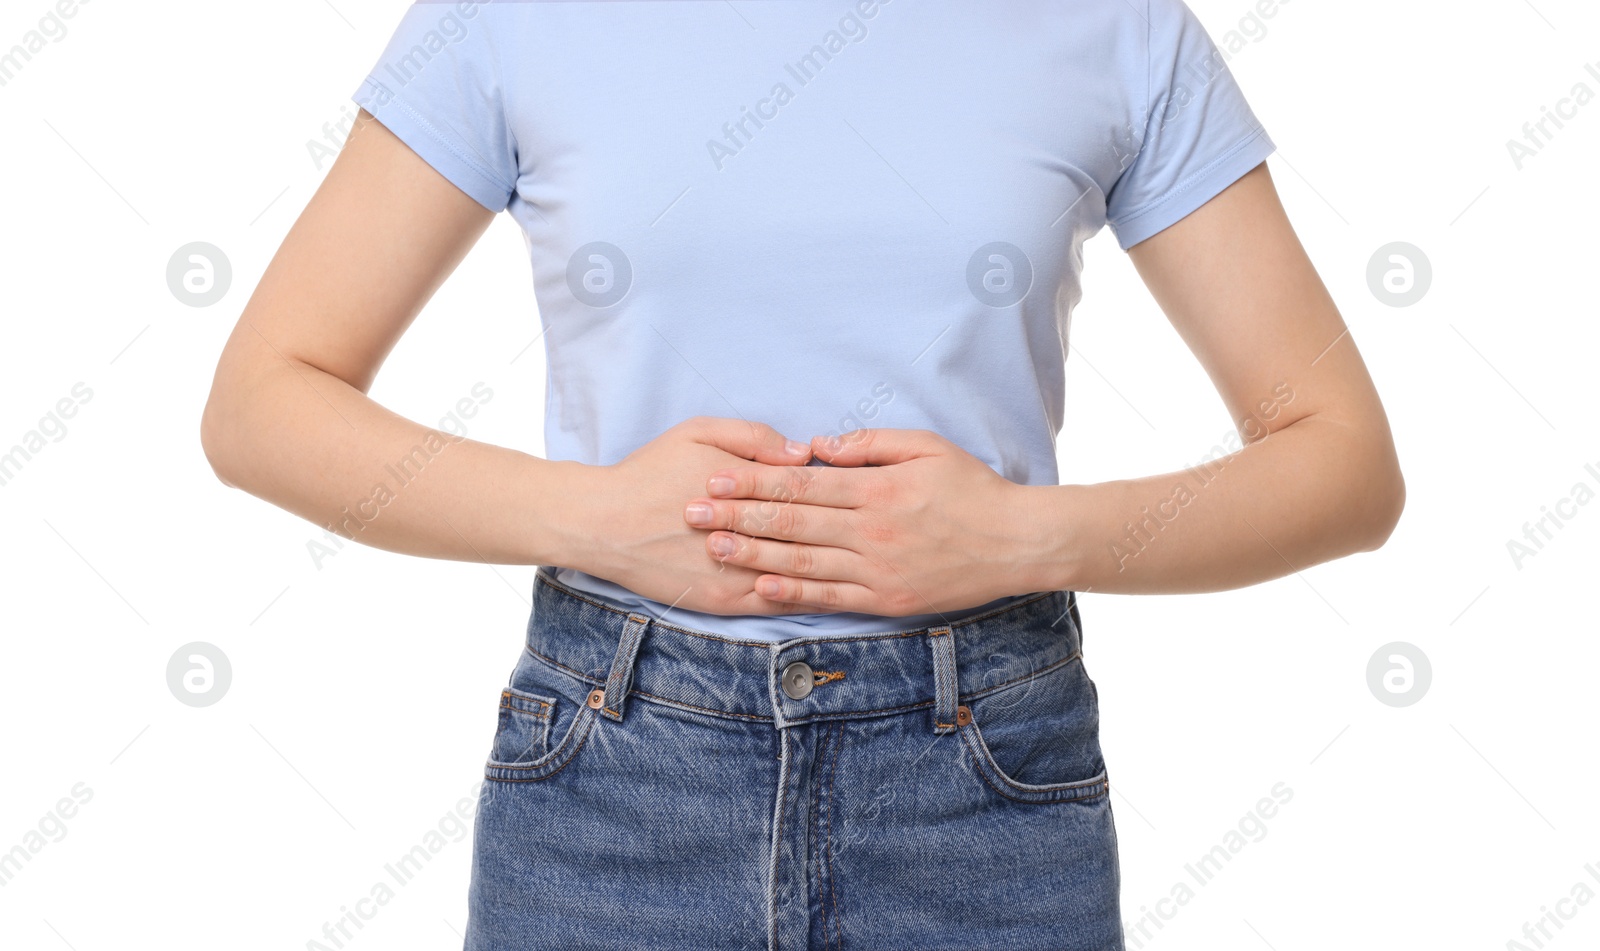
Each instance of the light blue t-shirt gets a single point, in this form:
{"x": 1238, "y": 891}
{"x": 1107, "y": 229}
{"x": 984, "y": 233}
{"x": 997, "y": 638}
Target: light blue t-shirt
{"x": 817, "y": 214}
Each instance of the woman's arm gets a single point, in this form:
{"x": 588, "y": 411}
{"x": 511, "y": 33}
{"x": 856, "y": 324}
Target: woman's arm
{"x": 1317, "y": 477}
{"x": 288, "y": 418}
{"x": 914, "y": 524}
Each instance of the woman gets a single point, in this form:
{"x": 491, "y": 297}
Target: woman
{"x": 804, "y": 666}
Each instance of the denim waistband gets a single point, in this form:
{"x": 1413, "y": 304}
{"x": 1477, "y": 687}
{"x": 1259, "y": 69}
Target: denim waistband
{"x": 634, "y": 656}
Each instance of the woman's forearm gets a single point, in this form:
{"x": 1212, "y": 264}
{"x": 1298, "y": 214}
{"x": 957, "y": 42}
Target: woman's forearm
{"x": 1313, "y": 491}
{"x": 311, "y": 443}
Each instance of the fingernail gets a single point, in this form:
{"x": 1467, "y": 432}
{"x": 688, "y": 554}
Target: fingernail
{"x": 722, "y": 544}
{"x": 720, "y": 485}
{"x": 698, "y": 513}
{"x": 767, "y": 588}
{"x": 795, "y": 448}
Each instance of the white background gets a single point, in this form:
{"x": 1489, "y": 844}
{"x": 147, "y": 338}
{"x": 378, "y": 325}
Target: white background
{"x": 363, "y": 692}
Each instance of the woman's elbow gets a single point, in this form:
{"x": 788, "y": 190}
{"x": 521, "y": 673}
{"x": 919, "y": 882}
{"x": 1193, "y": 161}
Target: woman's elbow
{"x": 1384, "y": 501}
{"x": 216, "y": 435}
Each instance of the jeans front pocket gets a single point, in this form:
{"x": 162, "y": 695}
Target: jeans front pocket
{"x": 1037, "y": 739}
{"x": 544, "y": 722}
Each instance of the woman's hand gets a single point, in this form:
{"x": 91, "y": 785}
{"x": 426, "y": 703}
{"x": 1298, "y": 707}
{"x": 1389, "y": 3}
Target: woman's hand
{"x": 626, "y": 523}
{"x": 909, "y": 524}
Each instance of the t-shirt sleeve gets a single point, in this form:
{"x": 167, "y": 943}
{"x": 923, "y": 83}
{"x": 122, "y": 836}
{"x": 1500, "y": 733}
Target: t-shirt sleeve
{"x": 1200, "y": 134}
{"x": 438, "y": 88}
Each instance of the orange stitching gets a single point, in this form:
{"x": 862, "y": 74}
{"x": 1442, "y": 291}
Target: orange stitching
{"x": 506, "y": 695}
{"x": 539, "y": 779}
{"x": 820, "y": 677}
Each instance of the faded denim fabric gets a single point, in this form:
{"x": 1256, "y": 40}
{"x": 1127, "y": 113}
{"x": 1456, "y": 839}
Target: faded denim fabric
{"x": 653, "y": 786}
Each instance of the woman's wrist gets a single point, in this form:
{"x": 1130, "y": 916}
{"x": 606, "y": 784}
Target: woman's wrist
{"x": 1047, "y": 527}
{"x": 564, "y": 528}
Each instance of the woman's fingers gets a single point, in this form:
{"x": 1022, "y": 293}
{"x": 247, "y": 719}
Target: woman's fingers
{"x": 781, "y": 521}
{"x": 830, "y": 596}
{"x": 878, "y": 447}
{"x": 783, "y": 558}
{"x": 810, "y": 485}
{"x": 748, "y": 440}
{"x": 807, "y": 575}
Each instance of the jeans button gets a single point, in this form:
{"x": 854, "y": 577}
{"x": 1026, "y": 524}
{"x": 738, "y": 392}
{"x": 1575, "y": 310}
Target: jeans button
{"x": 798, "y": 680}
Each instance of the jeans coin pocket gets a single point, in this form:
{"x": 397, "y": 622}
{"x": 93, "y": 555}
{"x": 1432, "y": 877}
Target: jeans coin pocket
{"x": 523, "y": 732}
{"x": 545, "y": 721}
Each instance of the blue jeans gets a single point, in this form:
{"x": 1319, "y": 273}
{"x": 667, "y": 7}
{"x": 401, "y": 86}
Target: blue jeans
{"x": 657, "y": 787}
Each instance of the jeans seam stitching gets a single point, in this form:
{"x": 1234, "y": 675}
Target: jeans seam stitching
{"x": 833, "y": 881}
{"x": 564, "y": 763}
